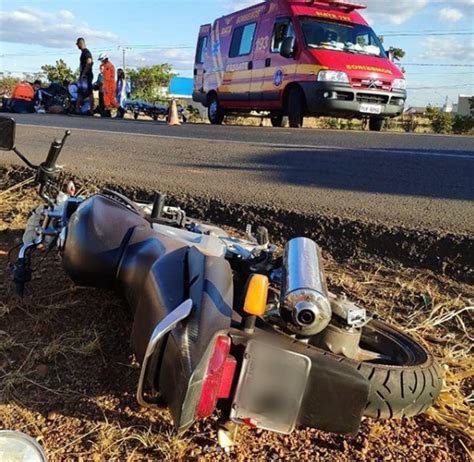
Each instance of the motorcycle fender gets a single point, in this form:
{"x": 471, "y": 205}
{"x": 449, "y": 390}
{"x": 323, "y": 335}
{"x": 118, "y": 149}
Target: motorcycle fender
{"x": 336, "y": 393}
{"x": 335, "y": 398}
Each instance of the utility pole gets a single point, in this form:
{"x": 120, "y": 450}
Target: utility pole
{"x": 124, "y": 56}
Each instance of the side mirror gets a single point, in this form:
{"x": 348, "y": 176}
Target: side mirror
{"x": 287, "y": 49}
{"x": 7, "y": 133}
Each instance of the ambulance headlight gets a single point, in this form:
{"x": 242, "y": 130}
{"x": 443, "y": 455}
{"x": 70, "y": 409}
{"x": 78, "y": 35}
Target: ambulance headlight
{"x": 333, "y": 76}
{"x": 399, "y": 84}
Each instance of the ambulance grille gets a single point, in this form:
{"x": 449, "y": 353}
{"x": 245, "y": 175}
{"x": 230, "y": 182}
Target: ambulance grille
{"x": 374, "y": 84}
{"x": 370, "y": 98}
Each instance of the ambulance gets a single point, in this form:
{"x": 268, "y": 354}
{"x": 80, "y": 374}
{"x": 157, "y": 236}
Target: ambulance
{"x": 297, "y": 58}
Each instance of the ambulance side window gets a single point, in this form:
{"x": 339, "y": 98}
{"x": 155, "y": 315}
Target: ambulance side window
{"x": 283, "y": 29}
{"x": 202, "y": 50}
{"x": 242, "y": 40}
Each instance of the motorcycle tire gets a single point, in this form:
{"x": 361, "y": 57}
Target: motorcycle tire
{"x": 406, "y": 387}
{"x": 408, "y": 379}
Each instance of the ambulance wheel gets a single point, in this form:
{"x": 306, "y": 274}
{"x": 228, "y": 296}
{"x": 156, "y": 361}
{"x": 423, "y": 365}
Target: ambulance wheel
{"x": 214, "y": 111}
{"x": 277, "y": 119}
{"x": 296, "y": 103}
{"x": 376, "y": 124}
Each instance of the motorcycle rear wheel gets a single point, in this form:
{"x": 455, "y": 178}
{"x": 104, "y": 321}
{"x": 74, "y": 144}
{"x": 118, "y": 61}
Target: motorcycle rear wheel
{"x": 406, "y": 381}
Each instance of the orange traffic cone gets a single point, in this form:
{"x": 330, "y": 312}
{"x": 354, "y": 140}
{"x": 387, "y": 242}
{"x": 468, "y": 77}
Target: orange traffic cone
{"x": 173, "y": 118}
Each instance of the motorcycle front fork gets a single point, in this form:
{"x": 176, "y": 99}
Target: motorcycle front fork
{"x": 22, "y": 271}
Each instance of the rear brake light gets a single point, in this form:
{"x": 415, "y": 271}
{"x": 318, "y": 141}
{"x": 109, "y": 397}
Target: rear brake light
{"x": 219, "y": 377}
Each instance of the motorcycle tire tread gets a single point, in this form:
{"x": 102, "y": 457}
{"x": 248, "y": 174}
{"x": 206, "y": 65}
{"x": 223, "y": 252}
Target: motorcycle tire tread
{"x": 400, "y": 391}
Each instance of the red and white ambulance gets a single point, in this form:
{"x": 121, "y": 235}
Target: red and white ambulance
{"x": 297, "y": 58}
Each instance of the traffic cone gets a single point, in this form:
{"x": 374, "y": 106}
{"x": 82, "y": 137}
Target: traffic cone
{"x": 173, "y": 118}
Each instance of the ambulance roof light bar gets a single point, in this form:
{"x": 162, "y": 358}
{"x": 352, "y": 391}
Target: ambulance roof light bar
{"x": 347, "y": 5}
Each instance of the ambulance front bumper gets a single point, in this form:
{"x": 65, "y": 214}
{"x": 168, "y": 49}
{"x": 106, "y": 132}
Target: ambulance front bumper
{"x": 342, "y": 100}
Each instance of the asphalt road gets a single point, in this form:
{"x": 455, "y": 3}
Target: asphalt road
{"x": 417, "y": 181}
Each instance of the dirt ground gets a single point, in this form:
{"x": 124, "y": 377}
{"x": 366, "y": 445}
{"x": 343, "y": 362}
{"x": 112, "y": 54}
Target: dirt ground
{"x": 68, "y": 377}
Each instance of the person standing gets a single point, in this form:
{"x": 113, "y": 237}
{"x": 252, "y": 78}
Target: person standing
{"x": 86, "y": 76}
{"x": 123, "y": 92}
{"x": 109, "y": 86}
{"x": 99, "y": 86}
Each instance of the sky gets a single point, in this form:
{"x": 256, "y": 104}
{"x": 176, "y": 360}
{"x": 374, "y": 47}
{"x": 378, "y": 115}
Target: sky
{"x": 434, "y": 34}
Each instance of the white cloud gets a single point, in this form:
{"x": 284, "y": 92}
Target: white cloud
{"x": 448, "y": 48}
{"x": 182, "y": 59}
{"x": 55, "y": 30}
{"x": 450, "y": 14}
{"x": 240, "y": 5}
{"x": 393, "y": 12}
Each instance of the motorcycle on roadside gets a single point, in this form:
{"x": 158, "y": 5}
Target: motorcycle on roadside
{"x": 227, "y": 322}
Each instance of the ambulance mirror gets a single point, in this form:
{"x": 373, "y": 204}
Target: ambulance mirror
{"x": 7, "y": 133}
{"x": 287, "y": 49}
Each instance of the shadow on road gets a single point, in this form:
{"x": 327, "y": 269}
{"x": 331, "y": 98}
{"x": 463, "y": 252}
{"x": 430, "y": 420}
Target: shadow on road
{"x": 385, "y": 171}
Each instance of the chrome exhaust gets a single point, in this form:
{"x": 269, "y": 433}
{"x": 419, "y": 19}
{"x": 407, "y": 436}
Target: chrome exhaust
{"x": 304, "y": 300}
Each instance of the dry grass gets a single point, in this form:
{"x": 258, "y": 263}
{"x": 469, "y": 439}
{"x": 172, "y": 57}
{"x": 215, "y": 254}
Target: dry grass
{"x": 98, "y": 419}
{"x": 441, "y": 320}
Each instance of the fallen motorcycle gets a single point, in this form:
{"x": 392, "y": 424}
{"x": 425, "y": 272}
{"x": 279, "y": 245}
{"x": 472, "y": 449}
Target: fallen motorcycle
{"x": 227, "y": 322}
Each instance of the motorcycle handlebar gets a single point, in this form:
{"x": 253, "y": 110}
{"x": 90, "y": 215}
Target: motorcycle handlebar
{"x": 54, "y": 152}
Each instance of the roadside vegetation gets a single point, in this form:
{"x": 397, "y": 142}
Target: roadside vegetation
{"x": 68, "y": 378}
{"x": 149, "y": 83}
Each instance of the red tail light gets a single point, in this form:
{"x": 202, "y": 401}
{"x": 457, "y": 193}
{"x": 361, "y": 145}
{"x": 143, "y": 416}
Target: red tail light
{"x": 219, "y": 377}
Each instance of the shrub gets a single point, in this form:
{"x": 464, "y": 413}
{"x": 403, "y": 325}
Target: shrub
{"x": 463, "y": 124}
{"x": 7, "y": 84}
{"x": 441, "y": 122}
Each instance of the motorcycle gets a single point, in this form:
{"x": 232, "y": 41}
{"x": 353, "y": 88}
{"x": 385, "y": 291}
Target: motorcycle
{"x": 228, "y": 322}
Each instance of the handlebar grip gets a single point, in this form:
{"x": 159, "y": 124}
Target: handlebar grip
{"x": 53, "y": 154}
{"x": 54, "y": 151}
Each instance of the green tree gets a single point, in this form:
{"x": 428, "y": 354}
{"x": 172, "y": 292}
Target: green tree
{"x": 441, "y": 122}
{"x": 397, "y": 53}
{"x": 148, "y": 81}
{"x": 463, "y": 124}
{"x": 7, "y": 84}
{"x": 60, "y": 72}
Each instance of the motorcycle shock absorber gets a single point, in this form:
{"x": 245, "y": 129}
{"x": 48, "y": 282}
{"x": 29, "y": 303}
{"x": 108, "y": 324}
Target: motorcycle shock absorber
{"x": 304, "y": 300}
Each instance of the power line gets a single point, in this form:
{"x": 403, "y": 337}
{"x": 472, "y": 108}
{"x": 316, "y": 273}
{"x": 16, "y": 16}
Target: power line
{"x": 97, "y": 50}
{"x": 441, "y": 73}
{"x": 426, "y": 31}
{"x": 441, "y": 87}
{"x": 436, "y": 65}
{"x": 422, "y": 34}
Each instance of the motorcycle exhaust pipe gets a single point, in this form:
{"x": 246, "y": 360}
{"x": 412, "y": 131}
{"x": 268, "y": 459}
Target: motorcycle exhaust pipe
{"x": 304, "y": 301}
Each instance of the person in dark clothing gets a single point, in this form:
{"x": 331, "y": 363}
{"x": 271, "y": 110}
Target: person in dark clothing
{"x": 86, "y": 76}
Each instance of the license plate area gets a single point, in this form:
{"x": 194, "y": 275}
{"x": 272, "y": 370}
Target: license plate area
{"x": 271, "y": 387}
{"x": 368, "y": 108}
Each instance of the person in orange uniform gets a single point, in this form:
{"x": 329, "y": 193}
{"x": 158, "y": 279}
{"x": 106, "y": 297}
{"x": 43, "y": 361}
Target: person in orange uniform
{"x": 109, "y": 85}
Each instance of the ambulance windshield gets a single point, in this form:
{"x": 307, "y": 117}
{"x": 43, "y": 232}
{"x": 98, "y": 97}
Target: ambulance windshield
{"x": 346, "y": 37}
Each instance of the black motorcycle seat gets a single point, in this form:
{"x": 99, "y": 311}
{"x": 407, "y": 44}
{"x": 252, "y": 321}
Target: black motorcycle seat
{"x": 110, "y": 245}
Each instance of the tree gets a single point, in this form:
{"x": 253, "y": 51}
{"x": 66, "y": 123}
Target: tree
{"x": 441, "y": 122}
{"x": 60, "y": 73}
{"x": 397, "y": 53}
{"x": 7, "y": 84}
{"x": 149, "y": 81}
